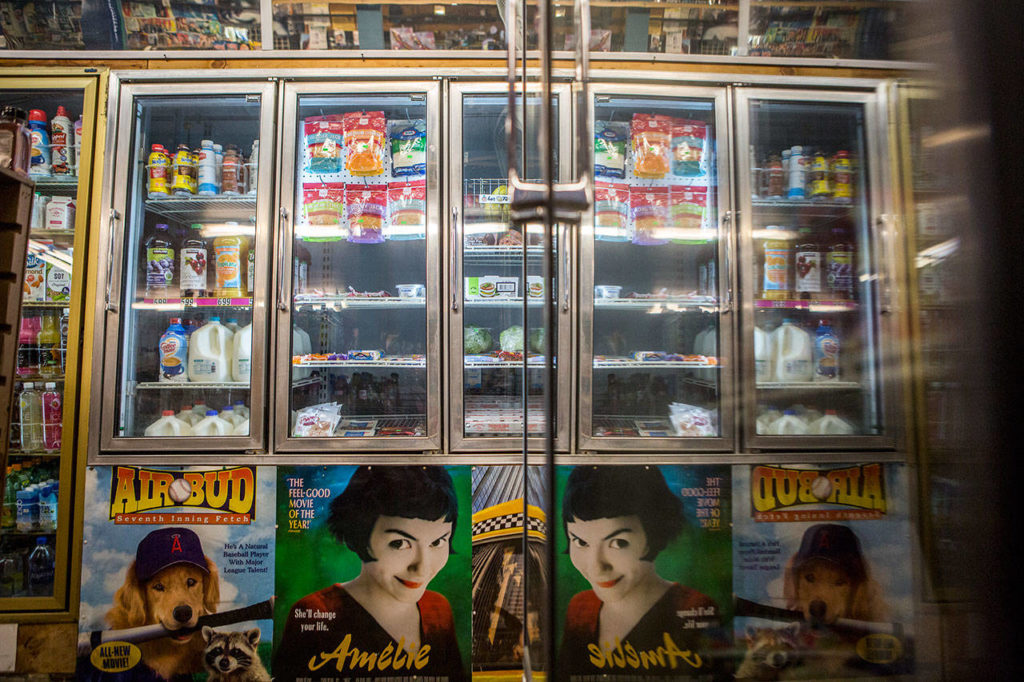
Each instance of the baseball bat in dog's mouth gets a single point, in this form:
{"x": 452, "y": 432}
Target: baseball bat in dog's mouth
{"x": 87, "y": 641}
{"x": 751, "y": 609}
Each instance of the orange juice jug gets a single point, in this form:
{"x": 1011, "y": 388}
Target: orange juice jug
{"x": 229, "y": 254}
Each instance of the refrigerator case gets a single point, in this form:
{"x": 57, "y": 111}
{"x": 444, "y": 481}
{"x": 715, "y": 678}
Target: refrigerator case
{"x": 655, "y": 295}
{"x": 819, "y": 271}
{"x": 495, "y": 282}
{"x": 40, "y": 453}
{"x": 187, "y": 239}
{"x": 358, "y": 282}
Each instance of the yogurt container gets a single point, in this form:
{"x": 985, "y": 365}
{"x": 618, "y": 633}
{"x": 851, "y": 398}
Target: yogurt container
{"x": 607, "y": 291}
{"x": 411, "y": 290}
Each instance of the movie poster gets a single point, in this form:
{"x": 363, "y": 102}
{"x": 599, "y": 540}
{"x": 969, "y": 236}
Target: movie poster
{"x": 177, "y": 572}
{"x": 644, "y": 578}
{"x": 822, "y": 571}
{"x": 373, "y": 574}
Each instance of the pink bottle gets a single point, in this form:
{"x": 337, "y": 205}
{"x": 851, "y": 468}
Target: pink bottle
{"x": 53, "y": 416}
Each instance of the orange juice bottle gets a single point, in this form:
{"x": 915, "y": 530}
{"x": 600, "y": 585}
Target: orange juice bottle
{"x": 229, "y": 261}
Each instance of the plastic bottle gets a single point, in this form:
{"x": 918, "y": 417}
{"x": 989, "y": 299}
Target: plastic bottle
{"x": 76, "y": 144}
{"x": 209, "y": 353}
{"x": 212, "y": 425}
{"x": 28, "y": 348}
{"x": 797, "y": 173}
{"x": 793, "y": 353}
{"x": 48, "y": 507}
{"x": 776, "y": 188}
{"x": 831, "y": 424}
{"x": 9, "y": 513}
{"x": 48, "y": 342}
{"x": 228, "y": 250}
{"x": 230, "y": 175}
{"x": 168, "y": 425}
{"x": 207, "y": 173}
{"x": 842, "y": 177}
{"x": 53, "y": 416}
{"x": 40, "y": 140}
{"x": 62, "y": 327}
{"x": 183, "y": 172}
{"x": 159, "y": 263}
{"x": 818, "y": 176}
{"x": 776, "y": 270}
{"x": 61, "y": 139}
{"x": 228, "y": 415}
{"x": 788, "y": 425}
{"x": 241, "y": 428}
{"x": 232, "y": 324}
{"x": 301, "y": 345}
{"x": 808, "y": 266}
{"x": 199, "y": 410}
{"x": 763, "y": 360}
{"x": 40, "y": 569}
{"x": 301, "y": 263}
{"x": 218, "y": 157}
{"x": 174, "y": 353}
{"x": 765, "y": 419}
{"x": 254, "y": 167}
{"x": 826, "y": 353}
{"x": 839, "y": 270}
{"x": 187, "y": 415}
{"x": 30, "y": 412}
{"x": 159, "y": 166}
{"x": 194, "y": 264}
{"x": 28, "y": 508}
{"x": 241, "y": 357}
{"x": 241, "y": 409}
{"x": 708, "y": 348}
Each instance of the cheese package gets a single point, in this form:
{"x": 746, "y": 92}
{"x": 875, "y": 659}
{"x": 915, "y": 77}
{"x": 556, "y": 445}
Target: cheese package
{"x": 364, "y": 135}
{"x": 650, "y": 207}
{"x": 407, "y": 210}
{"x": 408, "y": 148}
{"x": 689, "y": 207}
{"x": 689, "y": 147}
{"x": 651, "y": 140}
{"x": 611, "y": 212}
{"x": 322, "y": 138}
{"x": 610, "y": 139}
{"x": 323, "y": 204}
{"x": 366, "y": 207}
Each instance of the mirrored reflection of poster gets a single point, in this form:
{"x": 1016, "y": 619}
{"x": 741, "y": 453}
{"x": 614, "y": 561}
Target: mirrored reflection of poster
{"x": 177, "y": 571}
{"x": 373, "y": 573}
{"x": 822, "y": 571}
{"x": 644, "y": 579}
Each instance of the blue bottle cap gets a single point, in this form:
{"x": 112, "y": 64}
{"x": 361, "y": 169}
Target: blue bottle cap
{"x": 211, "y": 413}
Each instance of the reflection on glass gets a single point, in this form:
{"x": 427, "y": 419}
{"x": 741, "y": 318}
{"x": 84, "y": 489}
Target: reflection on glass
{"x": 816, "y": 336}
{"x": 833, "y": 31}
{"x": 359, "y": 314}
{"x": 189, "y": 268}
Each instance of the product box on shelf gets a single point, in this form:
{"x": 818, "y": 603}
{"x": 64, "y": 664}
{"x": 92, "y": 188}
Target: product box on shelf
{"x": 492, "y": 287}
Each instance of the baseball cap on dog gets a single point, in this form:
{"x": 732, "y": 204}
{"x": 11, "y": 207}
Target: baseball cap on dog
{"x": 835, "y": 543}
{"x": 165, "y": 547}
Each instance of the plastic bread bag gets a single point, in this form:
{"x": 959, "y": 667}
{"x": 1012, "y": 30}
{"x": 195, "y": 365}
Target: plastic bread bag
{"x": 651, "y": 140}
{"x": 317, "y": 421}
{"x": 364, "y": 134}
{"x": 689, "y": 147}
{"x": 691, "y": 421}
{"x": 366, "y": 206}
{"x": 611, "y": 212}
{"x": 322, "y": 141}
{"x": 610, "y": 138}
{"x": 689, "y": 207}
{"x": 650, "y": 215}
{"x": 408, "y": 148}
{"x": 407, "y": 210}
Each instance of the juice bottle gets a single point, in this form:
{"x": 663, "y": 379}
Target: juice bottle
{"x": 797, "y": 173}
{"x": 49, "y": 347}
{"x": 228, "y": 251}
{"x": 776, "y": 178}
{"x": 230, "y": 175}
{"x": 818, "y": 186}
{"x": 776, "y": 270}
{"x": 194, "y": 264}
{"x": 842, "y": 176}
{"x": 53, "y": 416}
{"x": 207, "y": 169}
{"x": 159, "y": 263}
{"x": 30, "y": 412}
{"x": 807, "y": 280}
{"x": 159, "y": 168}
{"x": 839, "y": 265}
{"x": 184, "y": 172}
{"x": 60, "y": 143}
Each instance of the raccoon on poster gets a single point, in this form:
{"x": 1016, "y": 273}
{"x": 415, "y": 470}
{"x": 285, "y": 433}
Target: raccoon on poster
{"x": 644, "y": 579}
{"x": 383, "y": 587}
{"x": 822, "y": 571}
{"x": 165, "y": 551}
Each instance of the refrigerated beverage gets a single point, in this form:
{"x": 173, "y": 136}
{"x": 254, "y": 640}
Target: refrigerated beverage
{"x": 194, "y": 263}
{"x": 842, "y": 182}
{"x": 797, "y": 173}
{"x": 765, "y": 418}
{"x": 207, "y": 172}
{"x": 302, "y": 344}
{"x": 183, "y": 172}
{"x": 807, "y": 254}
{"x": 12, "y": 572}
{"x": 33, "y": 289}
{"x": 789, "y": 424}
{"x": 776, "y": 187}
{"x": 9, "y": 512}
{"x": 159, "y": 183}
{"x": 241, "y": 409}
{"x": 228, "y": 415}
{"x": 232, "y": 324}
{"x": 250, "y": 274}
{"x": 53, "y": 416}
{"x": 793, "y": 353}
{"x": 212, "y": 425}
{"x": 241, "y": 358}
{"x": 187, "y": 415}
{"x": 159, "y": 263}
{"x": 28, "y": 347}
{"x": 227, "y": 250}
{"x": 242, "y": 428}
{"x": 230, "y": 175}
{"x": 48, "y": 507}
{"x": 40, "y": 569}
{"x": 174, "y": 354}
{"x": 62, "y": 326}
{"x": 60, "y": 142}
{"x": 763, "y": 361}
{"x": 302, "y": 261}
{"x": 253, "y": 167}
{"x": 209, "y": 353}
{"x": 826, "y": 353}
{"x": 40, "y": 139}
{"x": 199, "y": 410}
{"x": 818, "y": 185}
{"x": 831, "y": 424}
{"x": 28, "y": 509}
{"x": 38, "y": 219}
{"x": 218, "y": 158}
{"x": 76, "y": 144}
{"x": 839, "y": 265}
{"x": 48, "y": 342}
{"x": 776, "y": 269}
{"x": 30, "y": 413}
{"x": 168, "y": 425}
{"x": 60, "y": 215}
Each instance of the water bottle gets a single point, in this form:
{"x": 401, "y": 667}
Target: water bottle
{"x": 40, "y": 569}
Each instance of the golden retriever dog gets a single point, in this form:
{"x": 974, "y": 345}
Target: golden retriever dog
{"x": 171, "y": 582}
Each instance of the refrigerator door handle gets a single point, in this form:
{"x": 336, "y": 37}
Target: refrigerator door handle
{"x": 724, "y": 273}
{"x": 282, "y": 220}
{"x": 563, "y": 243}
{"x": 886, "y": 225}
{"x": 115, "y": 216}
{"x": 456, "y": 270}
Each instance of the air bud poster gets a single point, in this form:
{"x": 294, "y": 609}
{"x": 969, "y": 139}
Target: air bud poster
{"x": 822, "y": 574}
{"x": 177, "y": 572}
{"x": 374, "y": 578}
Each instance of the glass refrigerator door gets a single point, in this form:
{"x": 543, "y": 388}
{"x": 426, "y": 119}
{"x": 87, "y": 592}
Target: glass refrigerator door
{"x": 493, "y": 268}
{"x": 189, "y": 238}
{"x": 359, "y": 293}
{"x": 655, "y": 335}
{"x": 815, "y": 340}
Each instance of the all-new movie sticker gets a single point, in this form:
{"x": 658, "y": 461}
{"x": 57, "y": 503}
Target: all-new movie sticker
{"x": 822, "y": 572}
{"x": 177, "y": 573}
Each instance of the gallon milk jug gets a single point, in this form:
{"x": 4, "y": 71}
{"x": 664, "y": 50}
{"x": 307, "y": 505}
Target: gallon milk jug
{"x": 188, "y": 416}
{"x": 241, "y": 358}
{"x": 763, "y": 356}
{"x": 212, "y": 425}
{"x": 831, "y": 424}
{"x": 765, "y": 419}
{"x": 793, "y": 353}
{"x": 788, "y": 425}
{"x": 199, "y": 410}
{"x": 209, "y": 353}
{"x": 168, "y": 425}
{"x": 228, "y": 415}
{"x": 241, "y": 409}
{"x": 301, "y": 345}
{"x": 242, "y": 429}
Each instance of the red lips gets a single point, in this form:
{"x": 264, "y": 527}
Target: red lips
{"x": 610, "y": 583}
{"x": 408, "y": 583}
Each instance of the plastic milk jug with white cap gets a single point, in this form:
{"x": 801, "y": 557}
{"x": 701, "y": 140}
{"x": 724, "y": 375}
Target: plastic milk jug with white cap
{"x": 793, "y": 353}
{"x": 241, "y": 409}
{"x": 209, "y": 353}
{"x": 242, "y": 428}
{"x": 168, "y": 425}
{"x": 228, "y": 415}
{"x": 763, "y": 361}
{"x": 788, "y": 425}
{"x": 241, "y": 358}
{"x": 831, "y": 424}
{"x": 212, "y": 425}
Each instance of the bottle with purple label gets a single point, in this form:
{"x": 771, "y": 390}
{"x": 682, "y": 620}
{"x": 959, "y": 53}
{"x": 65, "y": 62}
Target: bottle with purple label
{"x": 159, "y": 263}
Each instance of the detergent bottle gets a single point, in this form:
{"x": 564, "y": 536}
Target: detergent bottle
{"x": 212, "y": 425}
{"x": 168, "y": 425}
{"x": 209, "y": 353}
{"x": 793, "y": 353}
